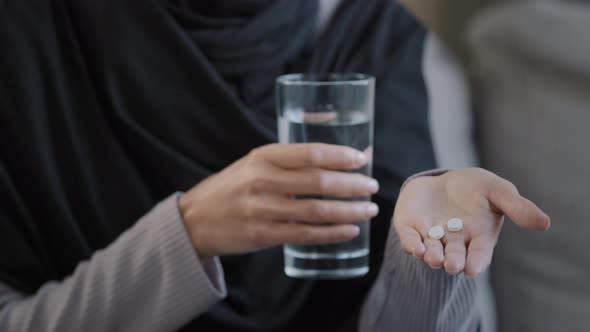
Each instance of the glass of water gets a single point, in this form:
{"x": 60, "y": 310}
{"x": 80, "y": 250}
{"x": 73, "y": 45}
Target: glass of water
{"x": 335, "y": 109}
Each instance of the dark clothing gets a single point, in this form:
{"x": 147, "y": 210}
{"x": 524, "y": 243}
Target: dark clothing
{"x": 106, "y": 107}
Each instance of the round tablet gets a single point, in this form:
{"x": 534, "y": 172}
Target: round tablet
{"x": 455, "y": 224}
{"x": 436, "y": 232}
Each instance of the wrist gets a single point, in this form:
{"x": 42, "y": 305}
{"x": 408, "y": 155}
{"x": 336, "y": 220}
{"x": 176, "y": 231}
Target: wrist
{"x": 188, "y": 219}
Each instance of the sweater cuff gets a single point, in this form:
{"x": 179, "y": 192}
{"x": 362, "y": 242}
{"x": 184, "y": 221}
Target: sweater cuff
{"x": 183, "y": 256}
{"x": 409, "y": 296}
{"x": 149, "y": 279}
{"x": 193, "y": 285}
{"x": 432, "y": 172}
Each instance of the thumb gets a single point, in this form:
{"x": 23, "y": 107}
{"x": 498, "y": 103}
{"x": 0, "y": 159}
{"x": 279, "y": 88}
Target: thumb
{"x": 504, "y": 196}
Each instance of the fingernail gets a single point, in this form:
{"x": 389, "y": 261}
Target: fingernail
{"x": 373, "y": 186}
{"x": 372, "y": 210}
{"x": 361, "y": 158}
{"x": 419, "y": 250}
{"x": 548, "y": 222}
{"x": 353, "y": 231}
{"x": 451, "y": 269}
{"x": 473, "y": 272}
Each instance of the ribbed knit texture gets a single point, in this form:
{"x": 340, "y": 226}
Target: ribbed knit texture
{"x": 432, "y": 172}
{"x": 409, "y": 296}
{"x": 149, "y": 279}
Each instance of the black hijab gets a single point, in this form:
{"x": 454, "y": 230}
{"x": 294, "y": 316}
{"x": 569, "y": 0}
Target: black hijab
{"x": 107, "y": 107}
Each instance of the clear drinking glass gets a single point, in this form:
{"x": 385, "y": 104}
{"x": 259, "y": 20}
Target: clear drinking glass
{"x": 336, "y": 109}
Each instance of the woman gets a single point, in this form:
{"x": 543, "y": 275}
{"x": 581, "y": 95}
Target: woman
{"x": 111, "y": 107}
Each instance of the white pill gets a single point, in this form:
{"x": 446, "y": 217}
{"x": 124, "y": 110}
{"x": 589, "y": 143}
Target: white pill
{"x": 436, "y": 232}
{"x": 455, "y": 224}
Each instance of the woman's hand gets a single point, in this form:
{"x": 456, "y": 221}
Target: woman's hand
{"x": 480, "y": 199}
{"x": 250, "y": 204}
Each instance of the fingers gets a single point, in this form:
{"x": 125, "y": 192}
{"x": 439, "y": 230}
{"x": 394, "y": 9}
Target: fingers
{"x": 479, "y": 255}
{"x": 449, "y": 252}
{"x": 411, "y": 241}
{"x": 434, "y": 256}
{"x": 292, "y": 156}
{"x": 504, "y": 196}
{"x": 318, "y": 182}
{"x": 294, "y": 233}
{"x": 312, "y": 210}
{"x": 411, "y": 234}
{"x": 455, "y": 253}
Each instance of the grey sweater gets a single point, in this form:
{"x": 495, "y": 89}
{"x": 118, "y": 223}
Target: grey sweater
{"x": 151, "y": 279}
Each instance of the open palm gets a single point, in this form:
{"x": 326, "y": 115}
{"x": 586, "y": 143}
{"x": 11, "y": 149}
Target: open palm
{"x": 478, "y": 197}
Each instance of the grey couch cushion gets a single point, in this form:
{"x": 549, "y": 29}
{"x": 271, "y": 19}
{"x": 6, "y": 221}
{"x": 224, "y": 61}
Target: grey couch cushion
{"x": 534, "y": 124}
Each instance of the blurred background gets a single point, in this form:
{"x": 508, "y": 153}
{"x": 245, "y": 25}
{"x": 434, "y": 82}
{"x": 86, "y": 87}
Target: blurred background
{"x": 522, "y": 74}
